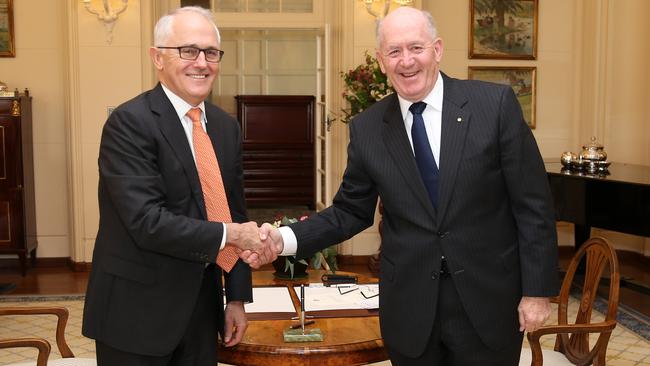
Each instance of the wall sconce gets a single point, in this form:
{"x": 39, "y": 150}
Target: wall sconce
{"x": 108, "y": 15}
{"x": 386, "y": 7}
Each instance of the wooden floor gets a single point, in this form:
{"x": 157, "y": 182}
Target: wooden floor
{"x": 58, "y": 280}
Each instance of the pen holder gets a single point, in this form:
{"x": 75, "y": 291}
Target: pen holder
{"x": 297, "y": 335}
{"x": 334, "y": 279}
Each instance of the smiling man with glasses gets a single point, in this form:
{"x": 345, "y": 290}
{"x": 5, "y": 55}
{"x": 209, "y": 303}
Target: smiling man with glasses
{"x": 192, "y": 53}
{"x": 171, "y": 203}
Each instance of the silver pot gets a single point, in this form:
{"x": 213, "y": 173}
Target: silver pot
{"x": 593, "y": 151}
{"x": 567, "y": 157}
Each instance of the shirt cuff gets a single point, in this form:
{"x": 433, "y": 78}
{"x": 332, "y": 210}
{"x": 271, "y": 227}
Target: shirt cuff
{"x": 290, "y": 241}
{"x": 223, "y": 237}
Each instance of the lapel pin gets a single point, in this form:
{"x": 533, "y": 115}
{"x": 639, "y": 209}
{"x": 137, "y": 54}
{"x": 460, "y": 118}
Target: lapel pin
{"x": 459, "y": 120}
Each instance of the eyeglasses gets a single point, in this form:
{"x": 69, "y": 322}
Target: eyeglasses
{"x": 368, "y": 292}
{"x": 192, "y": 53}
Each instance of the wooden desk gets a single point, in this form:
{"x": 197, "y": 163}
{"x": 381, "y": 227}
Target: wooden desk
{"x": 347, "y": 341}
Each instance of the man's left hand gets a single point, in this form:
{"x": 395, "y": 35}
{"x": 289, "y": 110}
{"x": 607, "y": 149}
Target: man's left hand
{"x": 533, "y": 312}
{"x": 235, "y": 323}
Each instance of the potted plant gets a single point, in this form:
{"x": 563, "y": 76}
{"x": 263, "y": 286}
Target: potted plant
{"x": 364, "y": 85}
{"x": 290, "y": 268}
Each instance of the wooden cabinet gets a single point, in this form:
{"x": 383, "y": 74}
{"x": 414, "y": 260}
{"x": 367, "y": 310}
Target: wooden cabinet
{"x": 278, "y": 156}
{"x": 17, "y": 209}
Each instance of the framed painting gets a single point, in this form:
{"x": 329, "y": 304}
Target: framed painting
{"x": 7, "y": 29}
{"x": 503, "y": 29}
{"x": 520, "y": 79}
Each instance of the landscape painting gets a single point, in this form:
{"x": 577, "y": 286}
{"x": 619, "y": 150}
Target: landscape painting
{"x": 520, "y": 79}
{"x": 503, "y": 29}
{"x": 6, "y": 29}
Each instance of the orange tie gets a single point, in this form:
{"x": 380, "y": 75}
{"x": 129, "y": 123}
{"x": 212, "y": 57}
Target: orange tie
{"x": 214, "y": 194}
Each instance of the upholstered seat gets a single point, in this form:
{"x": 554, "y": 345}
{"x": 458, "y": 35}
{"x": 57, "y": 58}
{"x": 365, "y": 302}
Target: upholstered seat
{"x": 41, "y": 344}
{"x": 572, "y": 339}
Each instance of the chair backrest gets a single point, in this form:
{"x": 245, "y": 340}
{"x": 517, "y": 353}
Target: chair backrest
{"x": 597, "y": 254}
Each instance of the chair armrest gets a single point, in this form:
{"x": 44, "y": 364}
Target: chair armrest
{"x": 41, "y": 344}
{"x": 571, "y": 328}
{"x": 536, "y": 348}
{"x": 62, "y": 319}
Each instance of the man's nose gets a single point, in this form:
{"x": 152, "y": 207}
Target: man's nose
{"x": 406, "y": 58}
{"x": 201, "y": 60}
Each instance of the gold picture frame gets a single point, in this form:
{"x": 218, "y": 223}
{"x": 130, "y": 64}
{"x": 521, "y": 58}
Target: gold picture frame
{"x": 503, "y": 29}
{"x": 521, "y": 79}
{"x": 7, "y": 48}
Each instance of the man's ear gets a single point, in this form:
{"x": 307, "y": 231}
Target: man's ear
{"x": 380, "y": 61}
{"x": 156, "y": 58}
{"x": 437, "y": 49}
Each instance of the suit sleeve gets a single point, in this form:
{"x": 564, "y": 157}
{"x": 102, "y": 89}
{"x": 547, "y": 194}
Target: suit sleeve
{"x": 238, "y": 282}
{"x": 130, "y": 169}
{"x": 352, "y": 209}
{"x": 530, "y": 199}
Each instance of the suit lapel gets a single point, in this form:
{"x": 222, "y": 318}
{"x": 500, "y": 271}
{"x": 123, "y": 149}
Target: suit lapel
{"x": 173, "y": 132}
{"x": 455, "y": 124}
{"x": 398, "y": 145}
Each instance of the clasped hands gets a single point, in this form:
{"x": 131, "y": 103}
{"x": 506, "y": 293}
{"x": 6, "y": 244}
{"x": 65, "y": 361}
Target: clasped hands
{"x": 256, "y": 246}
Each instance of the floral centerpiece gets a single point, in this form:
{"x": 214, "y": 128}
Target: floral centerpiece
{"x": 292, "y": 268}
{"x": 364, "y": 85}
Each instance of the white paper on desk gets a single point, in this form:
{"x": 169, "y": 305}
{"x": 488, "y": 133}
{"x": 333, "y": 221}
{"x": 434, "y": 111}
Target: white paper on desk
{"x": 319, "y": 297}
{"x": 270, "y": 300}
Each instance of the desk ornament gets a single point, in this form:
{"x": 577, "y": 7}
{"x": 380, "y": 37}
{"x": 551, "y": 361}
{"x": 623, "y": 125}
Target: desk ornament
{"x": 592, "y": 160}
{"x": 300, "y": 334}
{"x": 4, "y": 91}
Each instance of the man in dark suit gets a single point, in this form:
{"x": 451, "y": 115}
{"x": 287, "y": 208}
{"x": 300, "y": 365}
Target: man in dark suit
{"x": 469, "y": 252}
{"x": 155, "y": 293}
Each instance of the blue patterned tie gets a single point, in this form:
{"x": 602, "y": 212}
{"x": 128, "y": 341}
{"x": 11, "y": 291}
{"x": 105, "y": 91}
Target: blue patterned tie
{"x": 423, "y": 154}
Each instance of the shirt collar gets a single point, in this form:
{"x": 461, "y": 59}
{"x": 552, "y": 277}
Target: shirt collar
{"x": 181, "y": 106}
{"x": 433, "y": 99}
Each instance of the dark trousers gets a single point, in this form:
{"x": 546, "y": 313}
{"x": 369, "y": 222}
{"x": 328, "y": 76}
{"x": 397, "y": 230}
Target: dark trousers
{"x": 198, "y": 345}
{"x": 454, "y": 342}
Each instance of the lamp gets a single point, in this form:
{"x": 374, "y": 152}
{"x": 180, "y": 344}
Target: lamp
{"x": 386, "y": 7}
{"x": 108, "y": 15}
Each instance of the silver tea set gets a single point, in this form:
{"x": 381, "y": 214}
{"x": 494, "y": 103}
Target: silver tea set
{"x": 592, "y": 159}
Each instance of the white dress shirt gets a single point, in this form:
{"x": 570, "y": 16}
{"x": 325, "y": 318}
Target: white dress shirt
{"x": 182, "y": 107}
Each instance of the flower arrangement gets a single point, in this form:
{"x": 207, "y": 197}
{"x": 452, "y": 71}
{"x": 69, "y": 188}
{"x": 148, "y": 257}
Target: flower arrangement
{"x": 325, "y": 257}
{"x": 364, "y": 85}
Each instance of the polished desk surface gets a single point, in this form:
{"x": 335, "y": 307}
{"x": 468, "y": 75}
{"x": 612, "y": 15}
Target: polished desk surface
{"x": 347, "y": 341}
{"x": 618, "y": 200}
{"x": 617, "y": 172}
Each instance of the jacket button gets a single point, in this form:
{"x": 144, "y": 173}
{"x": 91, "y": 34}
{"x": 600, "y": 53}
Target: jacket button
{"x": 442, "y": 234}
{"x": 434, "y": 276}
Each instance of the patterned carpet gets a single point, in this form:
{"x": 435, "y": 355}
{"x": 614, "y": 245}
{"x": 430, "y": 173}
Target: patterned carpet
{"x": 626, "y": 348}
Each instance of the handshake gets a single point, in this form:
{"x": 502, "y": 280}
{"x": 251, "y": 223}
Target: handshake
{"x": 255, "y": 246}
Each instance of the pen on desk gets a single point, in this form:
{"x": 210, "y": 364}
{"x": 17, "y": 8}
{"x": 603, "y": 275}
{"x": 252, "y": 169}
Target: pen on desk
{"x": 296, "y": 326}
{"x": 302, "y": 307}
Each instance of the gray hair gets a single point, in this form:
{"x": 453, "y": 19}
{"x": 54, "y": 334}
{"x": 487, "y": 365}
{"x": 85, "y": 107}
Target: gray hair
{"x": 163, "y": 29}
{"x": 431, "y": 26}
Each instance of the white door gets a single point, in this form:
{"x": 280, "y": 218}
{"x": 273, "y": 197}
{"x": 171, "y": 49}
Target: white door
{"x": 322, "y": 141}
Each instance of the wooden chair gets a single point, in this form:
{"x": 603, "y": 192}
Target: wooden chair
{"x": 41, "y": 344}
{"x": 572, "y": 340}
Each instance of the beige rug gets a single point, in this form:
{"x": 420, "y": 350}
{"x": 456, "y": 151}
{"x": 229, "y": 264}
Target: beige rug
{"x": 626, "y": 348}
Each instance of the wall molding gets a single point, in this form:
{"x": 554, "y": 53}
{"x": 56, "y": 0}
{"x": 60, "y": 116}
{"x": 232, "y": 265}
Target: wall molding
{"x": 74, "y": 159}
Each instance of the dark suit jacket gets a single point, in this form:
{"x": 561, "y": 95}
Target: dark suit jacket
{"x": 494, "y": 222}
{"x": 154, "y": 239}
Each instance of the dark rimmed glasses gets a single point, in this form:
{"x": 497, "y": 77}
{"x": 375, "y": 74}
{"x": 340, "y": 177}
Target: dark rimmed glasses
{"x": 191, "y": 53}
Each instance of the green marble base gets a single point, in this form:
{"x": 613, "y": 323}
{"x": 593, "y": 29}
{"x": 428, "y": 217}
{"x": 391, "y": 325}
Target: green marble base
{"x": 296, "y": 335}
